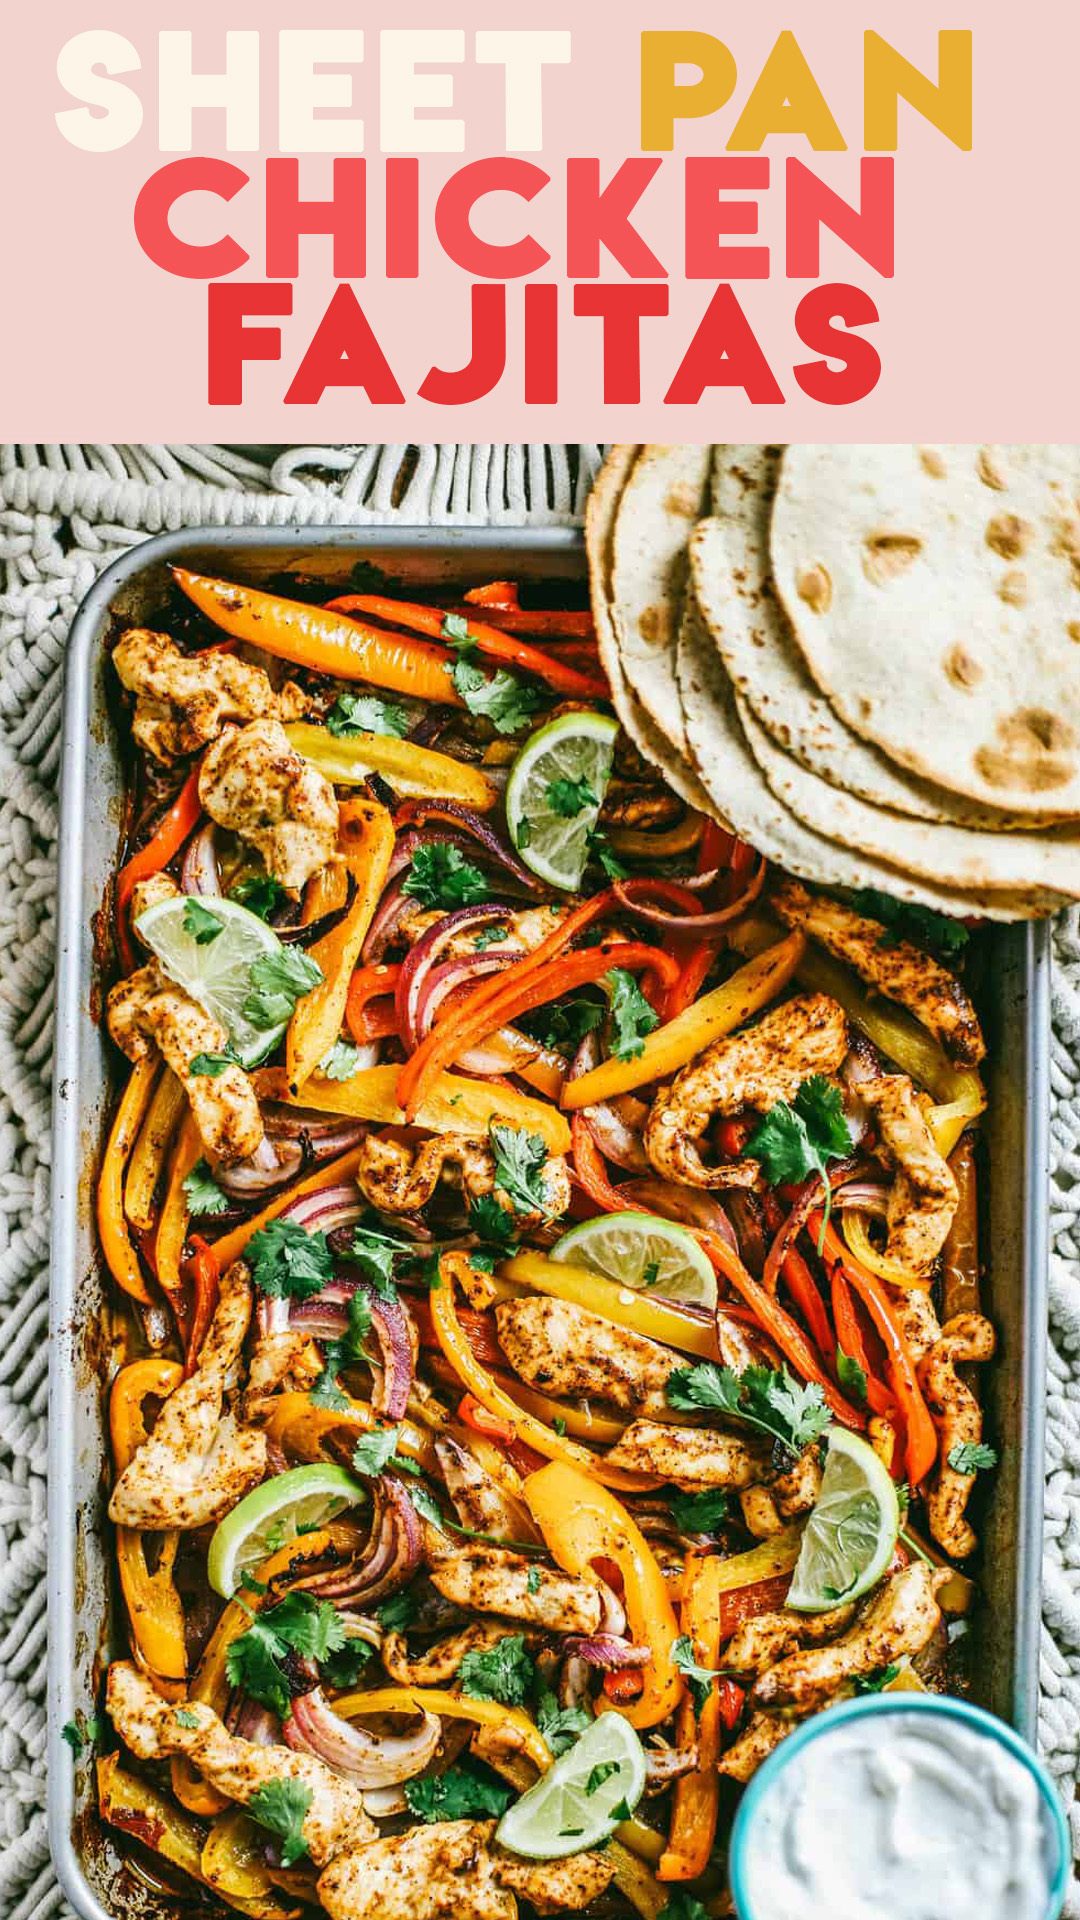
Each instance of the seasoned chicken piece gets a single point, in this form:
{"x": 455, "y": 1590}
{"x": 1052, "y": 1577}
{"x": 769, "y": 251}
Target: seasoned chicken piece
{"x": 401, "y": 1179}
{"x": 897, "y": 969}
{"x": 153, "y": 1729}
{"x": 148, "y": 1009}
{"x": 150, "y": 893}
{"x": 454, "y": 1871}
{"x": 755, "y": 1068}
{"x": 965, "y": 1339}
{"x": 760, "y": 1513}
{"x": 575, "y": 1354}
{"x": 627, "y": 803}
{"x": 766, "y": 1509}
{"x": 478, "y": 1501}
{"x": 914, "y": 1312}
{"x": 183, "y": 699}
{"x": 692, "y": 1457}
{"x": 522, "y": 932}
{"x": 924, "y": 1196}
{"x": 286, "y": 1358}
{"x": 254, "y": 782}
{"x": 440, "y": 1662}
{"x": 900, "y": 1618}
{"x": 758, "y": 1644}
{"x": 196, "y": 1465}
{"x": 493, "y": 1580}
{"x": 762, "y": 1732}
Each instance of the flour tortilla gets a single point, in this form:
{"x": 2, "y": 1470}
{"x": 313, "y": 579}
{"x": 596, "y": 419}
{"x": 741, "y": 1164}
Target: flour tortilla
{"x": 935, "y": 594}
{"x": 663, "y": 498}
{"x": 642, "y": 729}
{"x": 740, "y": 791}
{"x": 765, "y": 665}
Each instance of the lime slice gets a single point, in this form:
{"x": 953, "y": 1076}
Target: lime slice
{"x": 275, "y": 1513}
{"x": 573, "y": 751}
{"x": 642, "y": 1251}
{"x": 850, "y": 1535}
{"x": 215, "y": 974}
{"x": 559, "y": 1815}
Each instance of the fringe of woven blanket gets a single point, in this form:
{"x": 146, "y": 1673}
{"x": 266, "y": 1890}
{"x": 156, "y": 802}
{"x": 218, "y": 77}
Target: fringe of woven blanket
{"x": 65, "y": 512}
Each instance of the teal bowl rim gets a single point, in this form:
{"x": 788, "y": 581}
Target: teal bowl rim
{"x": 866, "y": 1707}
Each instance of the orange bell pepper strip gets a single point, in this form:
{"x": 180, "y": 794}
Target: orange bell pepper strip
{"x": 204, "y": 1274}
{"x": 120, "y": 1255}
{"x": 366, "y": 843}
{"x": 521, "y": 992}
{"x": 325, "y": 641}
{"x": 155, "y": 1615}
{"x": 453, "y": 1103}
{"x": 299, "y": 1427}
{"x": 582, "y": 1522}
{"x": 921, "y": 1443}
{"x": 488, "y": 639}
{"x": 695, "y": 1799}
{"x": 502, "y": 605}
{"x": 174, "y": 1222}
{"x": 364, "y": 1021}
{"x": 333, "y": 1173}
{"x": 182, "y": 818}
{"x": 454, "y": 1706}
{"x": 473, "y": 1415}
{"x": 148, "y": 1156}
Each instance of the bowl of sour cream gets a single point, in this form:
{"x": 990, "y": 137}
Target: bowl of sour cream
{"x": 915, "y": 1805}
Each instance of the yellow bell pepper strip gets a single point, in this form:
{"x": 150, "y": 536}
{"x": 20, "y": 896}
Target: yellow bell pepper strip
{"x": 332, "y": 1173}
{"x": 671, "y": 1046}
{"x": 147, "y": 1161}
{"x": 453, "y": 1104}
{"x": 695, "y": 1799}
{"x": 154, "y": 1612}
{"x": 175, "y": 1219}
{"x": 122, "y": 1259}
{"x": 131, "y": 1804}
{"x": 856, "y": 1233}
{"x": 299, "y": 1427}
{"x": 662, "y": 1320}
{"x": 488, "y": 640}
{"x": 324, "y": 641}
{"x": 580, "y": 1418}
{"x": 635, "y": 1882}
{"x": 232, "y": 1858}
{"x": 947, "y": 1122}
{"x": 366, "y": 843}
{"x": 485, "y": 1713}
{"x": 892, "y": 1030}
{"x": 583, "y": 1522}
{"x": 414, "y": 772}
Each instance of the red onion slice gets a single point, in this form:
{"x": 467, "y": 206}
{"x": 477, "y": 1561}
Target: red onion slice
{"x": 690, "y": 1206}
{"x": 199, "y": 869}
{"x": 339, "y": 1206}
{"x": 419, "y": 961}
{"x": 691, "y": 922}
{"x": 617, "y": 1141}
{"x": 272, "y": 1165}
{"x": 607, "y": 1650}
{"x": 867, "y": 1195}
{"x": 390, "y": 1557}
{"x": 422, "y": 812}
{"x": 372, "y": 1760}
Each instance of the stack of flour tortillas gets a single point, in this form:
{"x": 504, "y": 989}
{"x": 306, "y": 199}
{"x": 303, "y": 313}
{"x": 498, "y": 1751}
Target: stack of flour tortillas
{"x": 865, "y": 660}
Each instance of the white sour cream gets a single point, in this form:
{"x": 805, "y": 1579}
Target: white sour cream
{"x": 914, "y": 1815}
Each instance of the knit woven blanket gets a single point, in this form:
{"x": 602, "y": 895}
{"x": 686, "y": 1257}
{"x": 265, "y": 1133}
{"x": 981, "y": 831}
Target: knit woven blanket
{"x": 65, "y": 512}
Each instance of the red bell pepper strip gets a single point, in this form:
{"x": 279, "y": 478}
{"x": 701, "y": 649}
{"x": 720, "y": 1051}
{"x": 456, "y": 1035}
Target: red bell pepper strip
{"x": 800, "y": 1284}
{"x": 473, "y": 1415}
{"x": 590, "y": 1169}
{"x": 849, "y": 1338}
{"x": 748, "y": 1603}
{"x": 731, "y": 1697}
{"x": 478, "y": 1328}
{"x": 695, "y": 971}
{"x": 921, "y": 1444}
{"x": 623, "y": 1684}
{"x": 364, "y": 1021}
{"x": 202, "y": 1271}
{"x": 778, "y": 1324}
{"x": 181, "y": 819}
{"x": 489, "y": 640}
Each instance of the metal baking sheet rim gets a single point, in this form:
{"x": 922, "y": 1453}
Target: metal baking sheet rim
{"x": 1026, "y": 953}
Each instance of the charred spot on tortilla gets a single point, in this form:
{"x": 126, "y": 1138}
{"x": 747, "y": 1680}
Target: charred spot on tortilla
{"x": 654, "y": 625}
{"x": 1073, "y": 630}
{"x": 1035, "y": 752}
{"x": 887, "y": 555}
{"x": 815, "y": 587}
{"x": 932, "y": 463}
{"x": 1008, "y": 535}
{"x": 684, "y": 499}
{"x": 1013, "y": 588}
{"x": 961, "y": 668}
{"x": 989, "y": 468}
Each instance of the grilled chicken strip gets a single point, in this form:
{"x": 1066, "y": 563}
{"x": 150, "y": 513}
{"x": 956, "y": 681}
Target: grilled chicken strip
{"x": 691, "y": 1457}
{"x": 897, "y": 969}
{"x": 493, "y": 1580}
{"x": 153, "y": 1729}
{"x": 924, "y": 1196}
{"x": 148, "y": 1009}
{"x": 254, "y": 782}
{"x": 957, "y": 1415}
{"x": 766, "y": 1509}
{"x": 150, "y": 893}
{"x": 183, "y": 699}
{"x": 401, "y": 1179}
{"x": 762, "y": 1732}
{"x": 454, "y": 1871}
{"x": 440, "y": 1662}
{"x": 566, "y": 1350}
{"x": 478, "y": 1501}
{"x": 755, "y": 1068}
{"x": 196, "y": 1465}
{"x": 521, "y": 932}
{"x": 758, "y": 1644}
{"x": 900, "y": 1618}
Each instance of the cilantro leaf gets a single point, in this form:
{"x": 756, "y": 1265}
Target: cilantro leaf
{"x": 560, "y": 1726}
{"x": 201, "y": 924}
{"x": 345, "y": 1352}
{"x": 341, "y": 1062}
{"x": 600, "y": 849}
{"x": 185, "y": 1718}
{"x": 876, "y": 1682}
{"x": 375, "y": 1252}
{"x": 791, "y": 1412}
{"x": 202, "y": 1191}
{"x": 281, "y": 1805}
{"x": 907, "y": 921}
{"x": 501, "y": 698}
{"x": 79, "y": 1737}
{"x": 568, "y": 798}
{"x": 971, "y": 1456}
{"x": 456, "y": 1795}
{"x": 276, "y": 982}
{"x": 490, "y": 937}
{"x": 374, "y": 1450}
{"x": 598, "y": 1774}
{"x": 210, "y": 1065}
{"x": 396, "y": 1614}
{"x": 313, "y": 1628}
{"x": 440, "y": 876}
{"x": 343, "y": 1667}
{"x": 259, "y": 892}
{"x": 532, "y": 1583}
{"x": 493, "y": 1224}
{"x": 354, "y": 713}
{"x": 698, "y": 1678}
{"x": 286, "y": 1260}
{"x": 564, "y": 1023}
{"x": 504, "y": 1672}
{"x": 699, "y": 1512}
{"x": 632, "y": 1017}
{"x": 852, "y": 1377}
{"x": 520, "y": 1159}
{"x": 455, "y": 628}
{"x": 683, "y": 1906}
{"x": 255, "y": 1660}
{"x": 794, "y": 1141}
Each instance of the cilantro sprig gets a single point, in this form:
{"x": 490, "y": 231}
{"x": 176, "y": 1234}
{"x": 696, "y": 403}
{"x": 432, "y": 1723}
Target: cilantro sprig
{"x": 906, "y": 920}
{"x": 440, "y": 876}
{"x": 972, "y": 1456}
{"x": 568, "y": 798}
{"x": 276, "y": 981}
{"x": 202, "y": 1192}
{"x": 520, "y": 1159}
{"x": 698, "y": 1678}
{"x": 281, "y": 1807}
{"x": 509, "y": 703}
{"x": 560, "y": 1726}
{"x": 287, "y": 1261}
{"x": 344, "y": 1352}
{"x": 354, "y": 713}
{"x": 795, "y": 1140}
{"x": 503, "y": 1672}
{"x": 790, "y": 1411}
{"x": 699, "y": 1512}
{"x": 631, "y": 1015}
{"x": 260, "y": 893}
{"x": 300, "y": 1624}
{"x": 202, "y": 925}
{"x": 456, "y": 1795}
